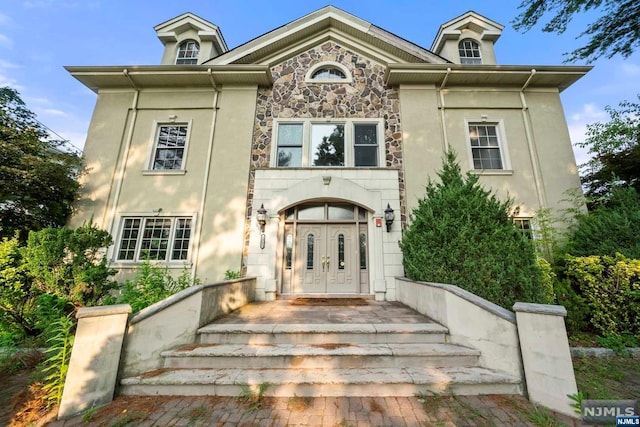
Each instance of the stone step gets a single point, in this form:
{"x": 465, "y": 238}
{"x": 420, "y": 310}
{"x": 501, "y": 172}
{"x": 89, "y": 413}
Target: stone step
{"x": 322, "y": 382}
{"x": 321, "y": 333}
{"x": 282, "y": 356}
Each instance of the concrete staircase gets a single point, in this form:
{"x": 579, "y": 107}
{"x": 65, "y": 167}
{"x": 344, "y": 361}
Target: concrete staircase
{"x": 348, "y": 359}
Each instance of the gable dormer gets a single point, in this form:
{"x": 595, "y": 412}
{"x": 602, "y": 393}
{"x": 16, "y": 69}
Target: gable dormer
{"x": 189, "y": 39}
{"x": 468, "y": 39}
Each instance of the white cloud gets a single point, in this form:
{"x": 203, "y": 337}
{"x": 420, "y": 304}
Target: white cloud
{"x": 54, "y": 112}
{"x": 5, "y": 41}
{"x": 578, "y": 121}
{"x": 5, "y": 65}
{"x": 10, "y": 82}
{"x": 4, "y": 19}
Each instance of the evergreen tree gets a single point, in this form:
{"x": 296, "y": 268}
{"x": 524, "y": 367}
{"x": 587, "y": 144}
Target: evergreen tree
{"x": 612, "y": 227}
{"x": 463, "y": 235}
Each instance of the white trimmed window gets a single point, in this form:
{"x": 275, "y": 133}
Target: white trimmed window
{"x": 328, "y": 72}
{"x": 524, "y": 225}
{"x": 469, "y": 52}
{"x": 486, "y": 149}
{"x": 307, "y": 143}
{"x": 154, "y": 238}
{"x": 188, "y": 53}
{"x": 169, "y": 147}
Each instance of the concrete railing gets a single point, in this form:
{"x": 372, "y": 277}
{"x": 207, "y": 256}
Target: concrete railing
{"x": 531, "y": 344}
{"x": 107, "y": 347}
{"x": 471, "y": 320}
{"x": 176, "y": 320}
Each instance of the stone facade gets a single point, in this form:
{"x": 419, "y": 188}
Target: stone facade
{"x": 292, "y": 97}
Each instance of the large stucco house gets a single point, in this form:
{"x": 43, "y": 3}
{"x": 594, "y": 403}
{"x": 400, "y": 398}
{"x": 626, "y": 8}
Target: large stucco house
{"x": 298, "y": 156}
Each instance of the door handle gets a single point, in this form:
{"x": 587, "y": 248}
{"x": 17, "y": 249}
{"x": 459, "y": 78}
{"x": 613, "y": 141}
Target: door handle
{"x": 328, "y": 260}
{"x": 323, "y": 262}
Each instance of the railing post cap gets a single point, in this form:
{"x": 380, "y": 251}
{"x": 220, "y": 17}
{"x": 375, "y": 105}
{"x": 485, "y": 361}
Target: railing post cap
{"x": 107, "y": 310}
{"x": 552, "y": 310}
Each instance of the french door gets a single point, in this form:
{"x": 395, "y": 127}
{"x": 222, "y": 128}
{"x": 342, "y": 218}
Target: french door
{"x": 326, "y": 259}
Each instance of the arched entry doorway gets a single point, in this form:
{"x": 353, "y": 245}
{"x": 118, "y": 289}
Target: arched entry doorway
{"x": 324, "y": 249}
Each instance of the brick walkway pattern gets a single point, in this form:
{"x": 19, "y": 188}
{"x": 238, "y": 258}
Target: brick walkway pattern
{"x": 320, "y": 411}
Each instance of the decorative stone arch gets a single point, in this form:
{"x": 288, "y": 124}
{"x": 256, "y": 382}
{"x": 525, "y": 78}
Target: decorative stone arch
{"x": 330, "y": 65}
{"x": 337, "y": 188}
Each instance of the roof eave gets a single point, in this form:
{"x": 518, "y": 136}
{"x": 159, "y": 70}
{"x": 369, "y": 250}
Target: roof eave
{"x": 169, "y": 76}
{"x": 560, "y": 77}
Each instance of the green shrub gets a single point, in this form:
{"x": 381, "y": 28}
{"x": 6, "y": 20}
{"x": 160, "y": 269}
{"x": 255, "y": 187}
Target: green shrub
{"x": 70, "y": 263}
{"x": 232, "y": 274}
{"x": 151, "y": 284}
{"x": 57, "y": 271}
{"x": 462, "y": 234}
{"x": 577, "y": 309}
{"x": 610, "y": 287}
{"x": 17, "y": 296}
{"x": 610, "y": 228}
{"x": 547, "y": 281}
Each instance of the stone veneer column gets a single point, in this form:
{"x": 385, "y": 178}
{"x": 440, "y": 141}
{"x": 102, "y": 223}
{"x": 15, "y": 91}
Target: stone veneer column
{"x": 93, "y": 368}
{"x": 546, "y": 355}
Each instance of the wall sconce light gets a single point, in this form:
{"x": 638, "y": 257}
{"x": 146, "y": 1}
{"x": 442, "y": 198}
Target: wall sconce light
{"x": 262, "y": 221}
{"x": 389, "y": 216}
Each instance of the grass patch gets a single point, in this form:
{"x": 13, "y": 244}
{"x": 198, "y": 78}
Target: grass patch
{"x": 298, "y": 403}
{"x": 608, "y": 378}
{"x": 128, "y": 418}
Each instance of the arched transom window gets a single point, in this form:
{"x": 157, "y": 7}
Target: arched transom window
{"x": 469, "y": 52}
{"x": 328, "y": 74}
{"x": 188, "y": 53}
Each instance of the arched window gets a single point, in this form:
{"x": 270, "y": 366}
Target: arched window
{"x": 328, "y": 74}
{"x": 188, "y": 53}
{"x": 469, "y": 52}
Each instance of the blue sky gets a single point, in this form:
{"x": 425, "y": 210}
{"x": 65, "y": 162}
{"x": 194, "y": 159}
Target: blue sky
{"x": 39, "y": 37}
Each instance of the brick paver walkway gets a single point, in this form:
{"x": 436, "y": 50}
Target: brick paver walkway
{"x": 499, "y": 411}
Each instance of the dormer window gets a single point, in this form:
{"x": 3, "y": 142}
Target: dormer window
{"x": 469, "y": 52}
{"x": 188, "y": 53}
{"x": 328, "y": 74}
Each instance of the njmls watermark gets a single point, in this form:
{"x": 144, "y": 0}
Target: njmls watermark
{"x": 603, "y": 411}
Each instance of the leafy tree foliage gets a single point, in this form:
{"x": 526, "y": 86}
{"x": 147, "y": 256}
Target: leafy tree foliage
{"x": 56, "y": 271}
{"x": 615, "y": 147}
{"x": 616, "y": 31}
{"x": 609, "y": 229}
{"x": 37, "y": 179}
{"x": 462, "y": 234}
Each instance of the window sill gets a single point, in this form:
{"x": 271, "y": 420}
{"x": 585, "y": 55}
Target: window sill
{"x": 164, "y": 172}
{"x": 489, "y": 172}
{"x": 130, "y": 265}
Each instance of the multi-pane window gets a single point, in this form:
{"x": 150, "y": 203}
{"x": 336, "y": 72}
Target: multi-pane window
{"x": 154, "y": 238}
{"x": 289, "y": 145}
{"x": 469, "y": 52}
{"x": 524, "y": 225}
{"x": 188, "y": 53}
{"x": 365, "y": 143}
{"x": 328, "y": 74}
{"x": 308, "y": 144}
{"x": 170, "y": 145}
{"x": 485, "y": 146}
